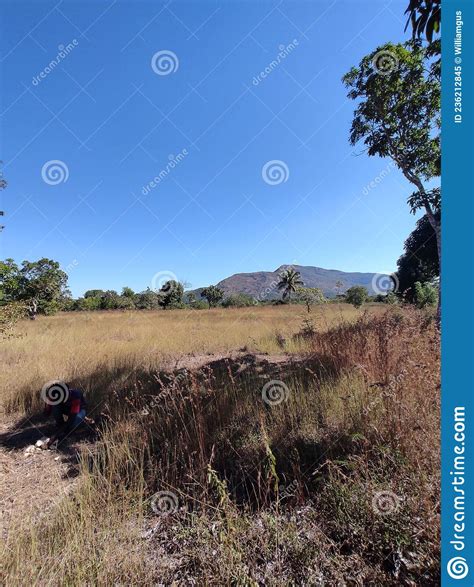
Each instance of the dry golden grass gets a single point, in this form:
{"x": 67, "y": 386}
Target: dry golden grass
{"x": 70, "y": 346}
{"x": 265, "y": 494}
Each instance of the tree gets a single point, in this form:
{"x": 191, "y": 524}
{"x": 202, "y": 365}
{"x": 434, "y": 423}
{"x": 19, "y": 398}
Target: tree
{"x": 425, "y": 17}
{"x": 398, "y": 116}
{"x": 239, "y": 300}
{"x": 45, "y": 283}
{"x": 419, "y": 262}
{"x": 289, "y": 282}
{"x": 94, "y": 293}
{"x": 128, "y": 292}
{"x": 213, "y": 295}
{"x": 356, "y": 295}
{"x": 171, "y": 294}
{"x": 311, "y": 296}
{"x": 147, "y": 300}
{"x": 11, "y": 281}
{"x": 425, "y": 294}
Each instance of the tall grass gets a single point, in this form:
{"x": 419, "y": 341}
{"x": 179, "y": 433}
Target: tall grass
{"x": 265, "y": 491}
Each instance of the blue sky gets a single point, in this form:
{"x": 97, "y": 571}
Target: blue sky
{"x": 114, "y": 117}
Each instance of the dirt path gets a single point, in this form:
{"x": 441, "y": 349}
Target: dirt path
{"x": 32, "y": 482}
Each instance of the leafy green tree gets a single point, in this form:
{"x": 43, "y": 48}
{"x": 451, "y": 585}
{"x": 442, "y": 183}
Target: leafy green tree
{"x": 128, "y": 292}
{"x": 110, "y": 300}
{"x": 213, "y": 295}
{"x": 147, "y": 300}
{"x": 94, "y": 293}
{"x": 311, "y": 296}
{"x": 11, "y": 281}
{"x": 44, "y": 282}
{"x": 171, "y": 295}
{"x": 425, "y": 294}
{"x": 357, "y": 295}
{"x": 398, "y": 116}
{"x": 290, "y": 281}
{"x": 238, "y": 300}
{"x": 419, "y": 261}
{"x": 88, "y": 304}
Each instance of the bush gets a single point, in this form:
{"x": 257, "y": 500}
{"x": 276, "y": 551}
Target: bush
{"x": 239, "y": 300}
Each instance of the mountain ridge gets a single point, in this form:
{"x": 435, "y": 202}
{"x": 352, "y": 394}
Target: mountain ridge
{"x": 262, "y": 285}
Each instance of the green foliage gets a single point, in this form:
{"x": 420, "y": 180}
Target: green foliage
{"x": 426, "y": 294}
{"x": 398, "y": 115}
{"x": 94, "y": 293}
{"x": 238, "y": 300}
{"x": 128, "y": 292}
{"x": 356, "y": 295}
{"x": 171, "y": 295}
{"x": 213, "y": 295}
{"x": 419, "y": 262}
{"x": 42, "y": 281}
{"x": 311, "y": 296}
{"x": 425, "y": 18}
{"x": 147, "y": 300}
{"x": 290, "y": 281}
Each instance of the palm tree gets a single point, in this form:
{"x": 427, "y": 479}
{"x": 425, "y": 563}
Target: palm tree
{"x": 289, "y": 282}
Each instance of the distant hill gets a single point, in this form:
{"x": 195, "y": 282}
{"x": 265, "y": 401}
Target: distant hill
{"x": 262, "y": 284}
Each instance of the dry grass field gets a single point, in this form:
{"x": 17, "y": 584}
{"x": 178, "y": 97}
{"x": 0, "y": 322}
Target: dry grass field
{"x": 226, "y": 449}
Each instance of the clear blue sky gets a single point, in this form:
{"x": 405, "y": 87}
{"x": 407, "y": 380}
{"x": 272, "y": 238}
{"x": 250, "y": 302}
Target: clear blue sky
{"x": 107, "y": 116}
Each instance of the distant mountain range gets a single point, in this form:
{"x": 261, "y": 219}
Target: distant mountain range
{"x": 262, "y": 285}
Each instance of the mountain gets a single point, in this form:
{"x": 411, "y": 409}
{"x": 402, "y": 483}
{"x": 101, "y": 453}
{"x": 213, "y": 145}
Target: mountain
{"x": 262, "y": 285}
